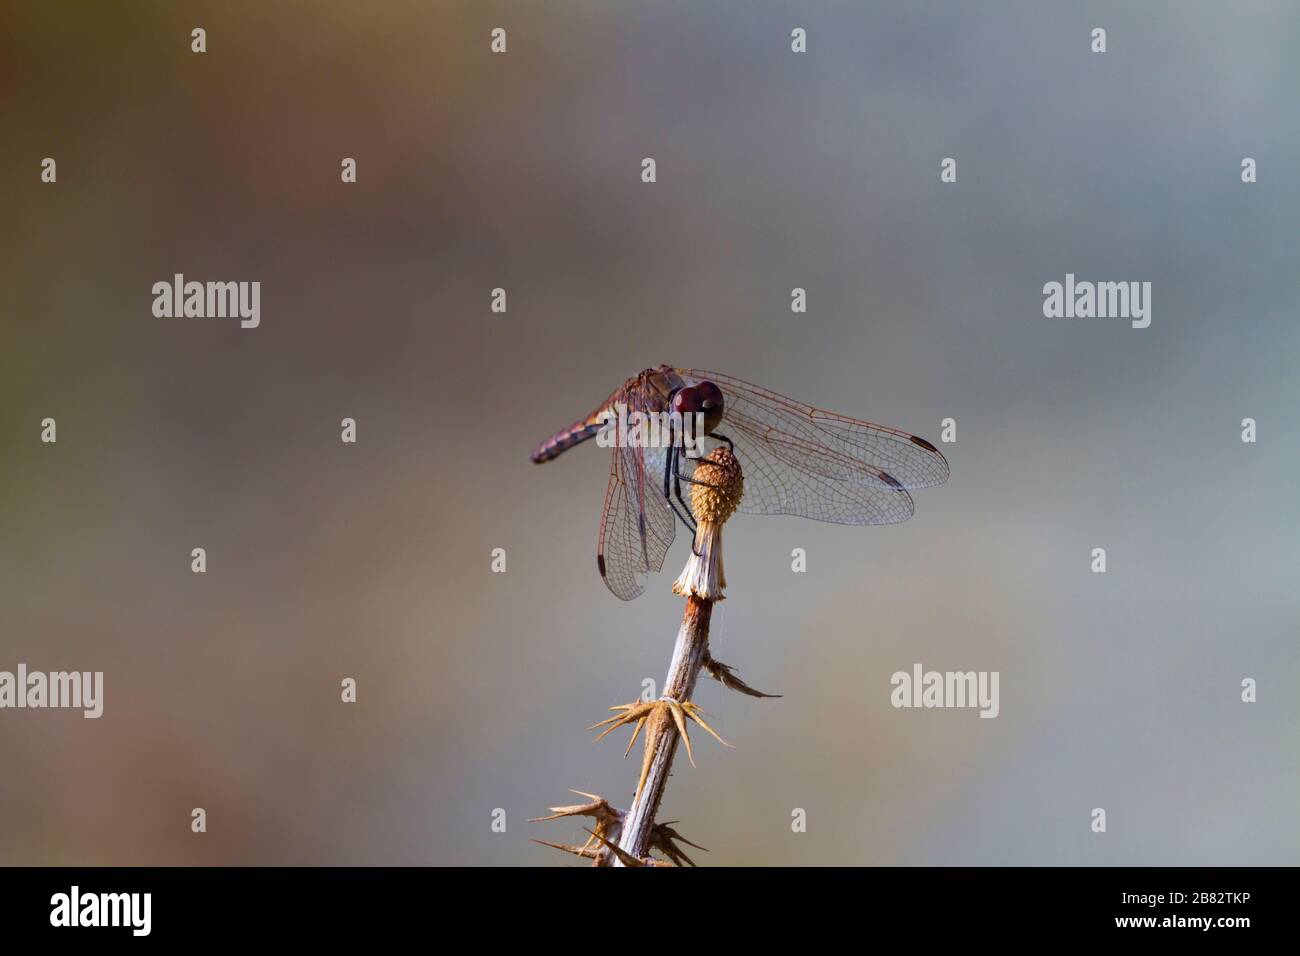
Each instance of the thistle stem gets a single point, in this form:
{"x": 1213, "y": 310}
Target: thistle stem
{"x": 689, "y": 654}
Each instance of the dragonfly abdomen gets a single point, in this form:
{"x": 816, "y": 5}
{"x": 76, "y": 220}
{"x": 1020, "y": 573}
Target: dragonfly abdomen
{"x": 563, "y": 440}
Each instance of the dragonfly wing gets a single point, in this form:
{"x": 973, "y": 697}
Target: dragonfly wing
{"x": 637, "y": 526}
{"x": 785, "y": 475}
{"x": 800, "y": 460}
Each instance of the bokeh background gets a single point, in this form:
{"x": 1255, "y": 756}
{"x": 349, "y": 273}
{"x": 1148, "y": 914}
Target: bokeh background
{"x": 775, "y": 170}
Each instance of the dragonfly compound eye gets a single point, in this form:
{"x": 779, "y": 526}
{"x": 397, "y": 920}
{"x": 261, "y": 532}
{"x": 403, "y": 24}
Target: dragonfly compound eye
{"x": 703, "y": 399}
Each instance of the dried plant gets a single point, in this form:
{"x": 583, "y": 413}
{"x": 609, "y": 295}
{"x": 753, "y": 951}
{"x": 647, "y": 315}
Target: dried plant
{"x": 629, "y": 837}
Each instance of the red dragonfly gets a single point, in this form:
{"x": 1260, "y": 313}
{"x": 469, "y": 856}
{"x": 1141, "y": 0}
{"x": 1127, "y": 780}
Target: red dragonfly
{"x": 796, "y": 459}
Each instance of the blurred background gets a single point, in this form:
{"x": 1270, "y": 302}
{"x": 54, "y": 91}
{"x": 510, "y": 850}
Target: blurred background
{"x": 775, "y": 170}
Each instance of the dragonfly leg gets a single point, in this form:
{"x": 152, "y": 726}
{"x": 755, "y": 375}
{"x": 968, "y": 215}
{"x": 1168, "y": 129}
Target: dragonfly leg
{"x": 668, "y": 471}
{"x": 684, "y": 518}
{"x": 678, "y": 478}
{"x": 689, "y": 480}
{"x": 731, "y": 446}
{"x": 670, "y": 461}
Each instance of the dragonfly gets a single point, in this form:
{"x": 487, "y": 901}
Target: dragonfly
{"x": 796, "y": 460}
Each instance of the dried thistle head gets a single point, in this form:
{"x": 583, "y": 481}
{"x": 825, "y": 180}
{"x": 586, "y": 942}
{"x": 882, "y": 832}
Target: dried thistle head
{"x": 715, "y": 495}
{"x": 721, "y": 486}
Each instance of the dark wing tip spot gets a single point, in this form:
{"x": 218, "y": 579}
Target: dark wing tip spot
{"x": 924, "y": 444}
{"x": 890, "y": 480}
{"x": 600, "y": 563}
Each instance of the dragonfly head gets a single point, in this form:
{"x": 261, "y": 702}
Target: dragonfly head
{"x": 704, "y": 398}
